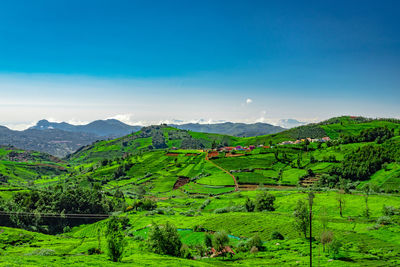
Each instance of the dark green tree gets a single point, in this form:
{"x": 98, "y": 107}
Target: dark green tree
{"x": 265, "y": 201}
{"x": 302, "y": 218}
{"x": 249, "y": 205}
{"x": 115, "y": 239}
{"x": 164, "y": 240}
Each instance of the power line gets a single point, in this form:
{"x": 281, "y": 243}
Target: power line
{"x": 52, "y": 215}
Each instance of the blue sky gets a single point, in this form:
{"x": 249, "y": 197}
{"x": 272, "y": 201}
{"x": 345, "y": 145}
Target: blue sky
{"x": 152, "y": 61}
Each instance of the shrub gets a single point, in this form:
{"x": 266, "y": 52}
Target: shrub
{"x": 208, "y": 240}
{"x": 164, "y": 240}
{"x": 42, "y": 252}
{"x": 185, "y": 252}
{"x": 384, "y": 220}
{"x": 389, "y": 210}
{"x": 220, "y": 240}
{"x": 249, "y": 205}
{"x": 198, "y": 228}
{"x": 265, "y": 201}
{"x": 276, "y": 235}
{"x": 93, "y": 251}
{"x": 254, "y": 250}
{"x": 205, "y": 204}
{"x": 256, "y": 242}
{"x": 242, "y": 246}
{"x": 189, "y": 213}
{"x": 334, "y": 248}
{"x": 326, "y": 238}
{"x": 221, "y": 210}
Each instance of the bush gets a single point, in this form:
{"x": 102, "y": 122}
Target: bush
{"x": 164, "y": 240}
{"x": 256, "y": 242}
{"x": 254, "y": 250}
{"x": 205, "y": 204}
{"x": 242, "y": 246}
{"x": 185, "y": 252}
{"x": 265, "y": 201}
{"x": 230, "y": 209}
{"x": 198, "y": 228}
{"x": 249, "y": 205}
{"x": 93, "y": 251}
{"x": 221, "y": 210}
{"x": 208, "y": 240}
{"x": 276, "y": 235}
{"x": 42, "y": 252}
{"x": 220, "y": 240}
{"x": 334, "y": 248}
{"x": 189, "y": 213}
{"x": 389, "y": 210}
{"x": 384, "y": 220}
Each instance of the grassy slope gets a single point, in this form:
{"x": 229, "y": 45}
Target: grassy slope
{"x": 342, "y": 125}
{"x": 382, "y": 245}
{"x": 24, "y": 166}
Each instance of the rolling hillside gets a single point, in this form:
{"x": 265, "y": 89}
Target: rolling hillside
{"x": 21, "y": 167}
{"x": 53, "y": 141}
{"x": 333, "y": 128}
{"x": 229, "y": 128}
{"x": 150, "y": 138}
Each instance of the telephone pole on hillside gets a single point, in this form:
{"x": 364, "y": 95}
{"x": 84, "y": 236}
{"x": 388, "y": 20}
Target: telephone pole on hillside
{"x": 310, "y": 202}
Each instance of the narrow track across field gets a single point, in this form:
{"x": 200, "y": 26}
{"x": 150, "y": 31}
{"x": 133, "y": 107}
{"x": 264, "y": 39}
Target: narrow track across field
{"x": 222, "y": 169}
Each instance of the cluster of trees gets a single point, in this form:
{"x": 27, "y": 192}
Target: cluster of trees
{"x": 47, "y": 211}
{"x": 263, "y": 202}
{"x": 307, "y": 131}
{"x": 192, "y": 143}
{"x": 365, "y": 161}
{"x": 379, "y": 134}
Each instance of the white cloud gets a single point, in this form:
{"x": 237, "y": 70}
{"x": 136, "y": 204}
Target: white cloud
{"x": 77, "y": 122}
{"x": 125, "y": 118}
{"x": 249, "y": 101}
{"x": 19, "y": 126}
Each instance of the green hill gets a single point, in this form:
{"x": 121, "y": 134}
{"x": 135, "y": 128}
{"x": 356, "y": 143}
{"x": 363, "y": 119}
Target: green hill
{"x": 333, "y": 128}
{"x": 150, "y": 138}
{"x": 18, "y": 167}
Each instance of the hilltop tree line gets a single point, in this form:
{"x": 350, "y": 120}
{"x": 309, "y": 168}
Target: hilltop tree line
{"x": 379, "y": 134}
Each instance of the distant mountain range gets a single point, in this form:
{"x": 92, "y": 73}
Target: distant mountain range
{"x": 230, "y": 128}
{"x": 103, "y": 128}
{"x": 53, "y": 141}
{"x": 61, "y": 139}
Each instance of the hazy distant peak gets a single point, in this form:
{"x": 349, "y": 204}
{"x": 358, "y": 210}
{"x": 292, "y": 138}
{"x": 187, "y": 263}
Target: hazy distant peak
{"x": 101, "y": 128}
{"x": 290, "y": 123}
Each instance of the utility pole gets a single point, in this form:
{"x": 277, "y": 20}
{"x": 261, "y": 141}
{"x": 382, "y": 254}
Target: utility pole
{"x": 310, "y": 202}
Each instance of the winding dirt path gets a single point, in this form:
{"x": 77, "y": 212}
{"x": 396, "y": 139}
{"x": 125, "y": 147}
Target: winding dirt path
{"x": 222, "y": 169}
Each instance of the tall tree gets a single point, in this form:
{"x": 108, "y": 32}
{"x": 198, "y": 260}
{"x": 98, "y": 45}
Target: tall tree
{"x": 115, "y": 239}
{"x": 302, "y": 218}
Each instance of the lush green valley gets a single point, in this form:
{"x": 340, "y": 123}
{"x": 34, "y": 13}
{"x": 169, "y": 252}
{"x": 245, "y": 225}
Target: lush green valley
{"x": 211, "y": 199}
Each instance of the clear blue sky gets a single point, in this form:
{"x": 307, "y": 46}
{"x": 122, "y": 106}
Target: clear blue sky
{"x": 164, "y": 60}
